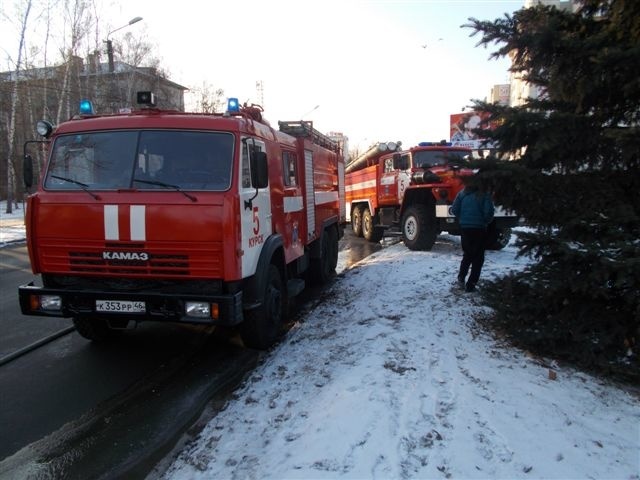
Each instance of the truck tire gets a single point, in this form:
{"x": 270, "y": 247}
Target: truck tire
{"x": 498, "y": 238}
{"x": 419, "y": 229}
{"x": 369, "y": 230}
{"x": 356, "y": 220}
{"x": 262, "y": 325}
{"x": 94, "y": 329}
{"x": 323, "y": 268}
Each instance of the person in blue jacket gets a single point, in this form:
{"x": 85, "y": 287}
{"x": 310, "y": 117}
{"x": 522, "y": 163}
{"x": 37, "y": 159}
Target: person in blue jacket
{"x": 474, "y": 209}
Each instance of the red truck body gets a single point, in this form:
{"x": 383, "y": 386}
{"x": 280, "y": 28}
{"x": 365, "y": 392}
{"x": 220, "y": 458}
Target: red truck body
{"x": 170, "y": 216}
{"x": 409, "y": 193}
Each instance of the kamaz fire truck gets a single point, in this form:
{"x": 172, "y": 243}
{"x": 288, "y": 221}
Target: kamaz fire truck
{"x": 410, "y": 192}
{"x": 160, "y": 215}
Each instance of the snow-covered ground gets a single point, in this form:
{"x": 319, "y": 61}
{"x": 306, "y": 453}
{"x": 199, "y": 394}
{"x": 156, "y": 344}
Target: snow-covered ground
{"x": 11, "y": 224}
{"x": 390, "y": 377}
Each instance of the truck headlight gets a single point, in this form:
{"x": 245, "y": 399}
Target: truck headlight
{"x": 425, "y": 176}
{"x": 197, "y": 309}
{"x": 49, "y": 303}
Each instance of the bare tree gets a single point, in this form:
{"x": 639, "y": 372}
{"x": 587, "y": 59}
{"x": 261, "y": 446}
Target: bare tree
{"x": 46, "y": 113}
{"x": 46, "y": 74}
{"x": 135, "y": 52}
{"x": 78, "y": 16}
{"x": 208, "y": 99}
{"x": 354, "y": 153}
{"x": 14, "y": 105}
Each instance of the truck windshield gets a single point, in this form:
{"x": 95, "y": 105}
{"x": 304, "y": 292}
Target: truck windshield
{"x": 145, "y": 159}
{"x": 433, "y": 158}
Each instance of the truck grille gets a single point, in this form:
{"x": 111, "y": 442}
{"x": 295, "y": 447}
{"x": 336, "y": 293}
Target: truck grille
{"x": 123, "y": 284}
{"x": 158, "y": 264}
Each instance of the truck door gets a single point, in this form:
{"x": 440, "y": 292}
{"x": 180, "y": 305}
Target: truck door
{"x": 403, "y": 178}
{"x": 388, "y": 183}
{"x": 255, "y": 209}
{"x": 293, "y": 205}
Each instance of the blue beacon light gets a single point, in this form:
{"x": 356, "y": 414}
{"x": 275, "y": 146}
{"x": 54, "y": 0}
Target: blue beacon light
{"x": 233, "y": 105}
{"x": 86, "y": 107}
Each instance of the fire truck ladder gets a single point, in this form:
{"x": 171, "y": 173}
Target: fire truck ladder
{"x": 305, "y": 129}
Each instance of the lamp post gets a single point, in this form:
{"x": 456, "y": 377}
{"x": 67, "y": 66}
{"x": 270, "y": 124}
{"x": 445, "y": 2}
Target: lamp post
{"x": 310, "y": 111}
{"x": 110, "y": 44}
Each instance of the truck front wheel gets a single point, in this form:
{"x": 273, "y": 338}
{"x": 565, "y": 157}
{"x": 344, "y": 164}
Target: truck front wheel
{"x": 94, "y": 329}
{"x": 369, "y": 230}
{"x": 262, "y": 325}
{"x": 419, "y": 230}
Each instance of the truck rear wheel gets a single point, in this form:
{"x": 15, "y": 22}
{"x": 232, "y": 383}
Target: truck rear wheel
{"x": 369, "y": 230}
{"x": 419, "y": 230}
{"x": 262, "y": 325}
{"x": 323, "y": 268}
{"x": 356, "y": 221}
{"x": 94, "y": 329}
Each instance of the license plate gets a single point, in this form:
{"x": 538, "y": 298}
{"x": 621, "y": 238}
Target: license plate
{"x": 120, "y": 306}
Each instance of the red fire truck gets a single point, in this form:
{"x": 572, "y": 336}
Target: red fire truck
{"x": 170, "y": 216}
{"x": 409, "y": 193}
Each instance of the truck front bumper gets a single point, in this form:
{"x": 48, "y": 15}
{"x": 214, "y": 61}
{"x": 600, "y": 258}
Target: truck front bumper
{"x": 503, "y": 219}
{"x": 220, "y": 309}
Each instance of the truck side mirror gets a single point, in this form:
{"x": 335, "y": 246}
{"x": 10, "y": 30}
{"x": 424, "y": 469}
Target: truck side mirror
{"x": 400, "y": 162}
{"x": 259, "y": 170}
{"x": 27, "y": 170}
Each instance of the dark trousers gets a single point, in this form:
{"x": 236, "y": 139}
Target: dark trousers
{"x": 473, "y": 243}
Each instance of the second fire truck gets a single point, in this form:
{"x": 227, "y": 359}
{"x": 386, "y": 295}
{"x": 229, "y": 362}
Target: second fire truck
{"x": 390, "y": 191}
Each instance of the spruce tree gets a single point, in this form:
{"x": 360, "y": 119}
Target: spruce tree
{"x": 573, "y": 175}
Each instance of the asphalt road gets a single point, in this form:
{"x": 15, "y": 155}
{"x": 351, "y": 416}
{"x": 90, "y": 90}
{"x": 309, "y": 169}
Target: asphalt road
{"x": 73, "y": 409}
{"x": 18, "y": 330}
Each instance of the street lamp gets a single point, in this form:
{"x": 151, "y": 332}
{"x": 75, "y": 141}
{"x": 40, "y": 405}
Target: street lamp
{"x": 312, "y": 110}
{"x": 110, "y": 44}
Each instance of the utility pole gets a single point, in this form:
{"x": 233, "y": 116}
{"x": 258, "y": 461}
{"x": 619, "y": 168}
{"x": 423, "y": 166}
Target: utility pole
{"x": 260, "y": 93}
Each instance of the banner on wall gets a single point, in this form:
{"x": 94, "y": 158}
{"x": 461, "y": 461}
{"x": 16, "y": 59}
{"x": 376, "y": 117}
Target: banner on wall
{"x": 461, "y": 126}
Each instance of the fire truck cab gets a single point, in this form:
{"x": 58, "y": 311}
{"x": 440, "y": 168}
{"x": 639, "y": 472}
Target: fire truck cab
{"x": 155, "y": 215}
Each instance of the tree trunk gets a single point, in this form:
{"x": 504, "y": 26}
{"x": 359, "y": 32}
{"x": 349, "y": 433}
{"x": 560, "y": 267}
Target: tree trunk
{"x": 11, "y": 131}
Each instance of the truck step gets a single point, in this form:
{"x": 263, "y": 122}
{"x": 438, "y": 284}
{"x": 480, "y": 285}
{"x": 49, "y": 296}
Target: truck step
{"x": 393, "y": 232}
